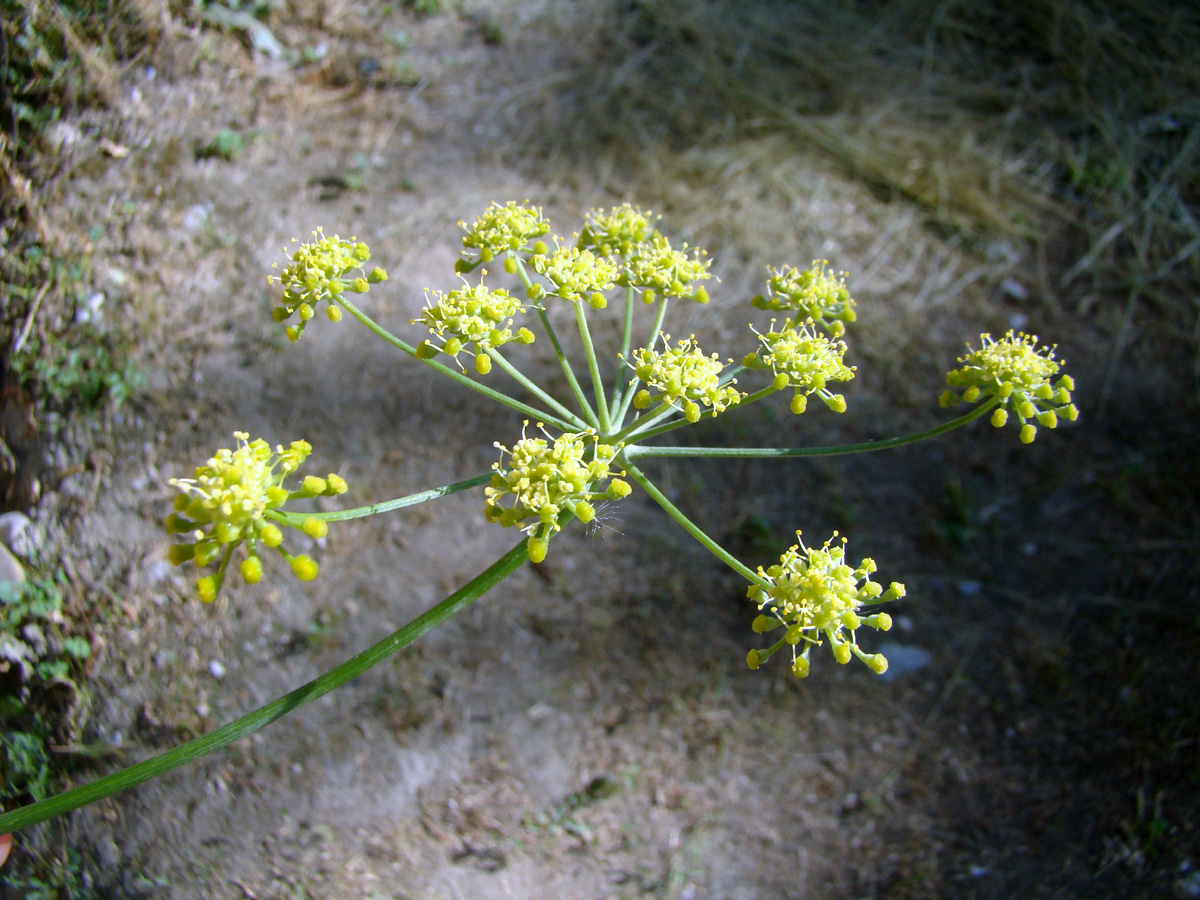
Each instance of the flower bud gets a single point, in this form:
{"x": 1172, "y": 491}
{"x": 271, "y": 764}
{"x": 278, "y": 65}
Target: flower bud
{"x": 252, "y": 569}
{"x": 270, "y": 534}
{"x": 181, "y": 553}
{"x": 537, "y": 548}
{"x": 207, "y": 588}
{"x": 315, "y": 528}
{"x": 304, "y": 567}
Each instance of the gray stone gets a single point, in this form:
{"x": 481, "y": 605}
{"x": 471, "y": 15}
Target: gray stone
{"x": 16, "y": 533}
{"x": 12, "y": 573}
{"x": 903, "y": 659}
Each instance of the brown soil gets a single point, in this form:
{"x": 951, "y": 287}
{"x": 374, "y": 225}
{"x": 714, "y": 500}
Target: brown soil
{"x": 589, "y": 729}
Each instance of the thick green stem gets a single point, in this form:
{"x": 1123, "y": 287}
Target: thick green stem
{"x": 635, "y": 427}
{"x": 641, "y": 451}
{"x": 375, "y": 509}
{"x": 593, "y": 367}
{"x": 654, "y": 332}
{"x": 588, "y": 413}
{"x": 453, "y": 374}
{"x": 689, "y": 526}
{"x": 265, "y": 715}
{"x": 616, "y": 416}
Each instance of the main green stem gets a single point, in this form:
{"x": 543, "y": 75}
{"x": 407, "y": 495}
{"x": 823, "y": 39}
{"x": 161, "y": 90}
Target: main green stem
{"x": 374, "y": 509}
{"x": 589, "y": 351}
{"x": 265, "y": 715}
{"x": 639, "y": 451}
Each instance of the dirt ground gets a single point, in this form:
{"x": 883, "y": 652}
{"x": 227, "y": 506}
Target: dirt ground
{"x": 590, "y": 729}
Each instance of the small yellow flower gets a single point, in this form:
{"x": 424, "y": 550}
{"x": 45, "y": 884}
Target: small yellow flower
{"x": 813, "y": 293}
{"x": 575, "y": 274}
{"x": 236, "y": 498}
{"x": 804, "y": 361}
{"x": 503, "y": 229}
{"x": 546, "y": 476}
{"x": 322, "y": 270}
{"x": 473, "y": 315}
{"x": 662, "y": 271}
{"x": 815, "y": 595}
{"x": 1021, "y": 375}
{"x": 618, "y": 232}
{"x": 683, "y": 375}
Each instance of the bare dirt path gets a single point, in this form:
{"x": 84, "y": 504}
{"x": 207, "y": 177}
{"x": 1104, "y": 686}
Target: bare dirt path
{"x": 588, "y": 730}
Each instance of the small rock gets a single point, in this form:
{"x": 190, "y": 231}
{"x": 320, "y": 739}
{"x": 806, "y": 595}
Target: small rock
{"x": 1014, "y": 289}
{"x": 159, "y": 570}
{"x": 216, "y": 668}
{"x": 903, "y": 659}
{"x": 91, "y": 311}
{"x": 197, "y": 216}
{"x": 12, "y": 573}
{"x": 1189, "y": 885}
{"x": 16, "y": 533}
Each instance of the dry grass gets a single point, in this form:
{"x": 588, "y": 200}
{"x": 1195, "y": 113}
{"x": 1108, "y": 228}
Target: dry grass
{"x": 1067, "y": 123}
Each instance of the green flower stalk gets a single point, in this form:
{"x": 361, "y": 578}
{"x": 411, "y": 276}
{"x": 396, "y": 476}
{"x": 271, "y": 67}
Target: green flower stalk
{"x": 547, "y": 477}
{"x": 502, "y": 230}
{"x": 1019, "y": 374}
{"x": 814, "y": 595}
{"x": 803, "y": 361}
{"x": 471, "y": 316}
{"x": 236, "y": 498}
{"x": 682, "y": 375}
{"x": 321, "y": 270}
{"x": 814, "y": 293}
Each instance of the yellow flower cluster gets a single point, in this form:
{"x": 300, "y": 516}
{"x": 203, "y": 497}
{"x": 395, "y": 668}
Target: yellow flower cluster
{"x": 502, "y": 229}
{"x": 1019, "y": 373}
{"x": 321, "y": 270}
{"x": 471, "y": 315}
{"x": 662, "y": 271}
{"x": 803, "y": 360}
{"x": 574, "y": 273}
{"x": 683, "y": 375}
{"x": 619, "y": 232}
{"x": 234, "y": 499}
{"x": 814, "y": 594}
{"x": 544, "y": 477}
{"x": 813, "y": 293}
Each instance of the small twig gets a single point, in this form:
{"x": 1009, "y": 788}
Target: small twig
{"x": 28, "y": 326}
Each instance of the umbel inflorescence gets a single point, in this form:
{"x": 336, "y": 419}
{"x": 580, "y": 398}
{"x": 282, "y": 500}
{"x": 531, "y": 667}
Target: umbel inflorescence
{"x": 619, "y": 400}
{"x": 606, "y": 414}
